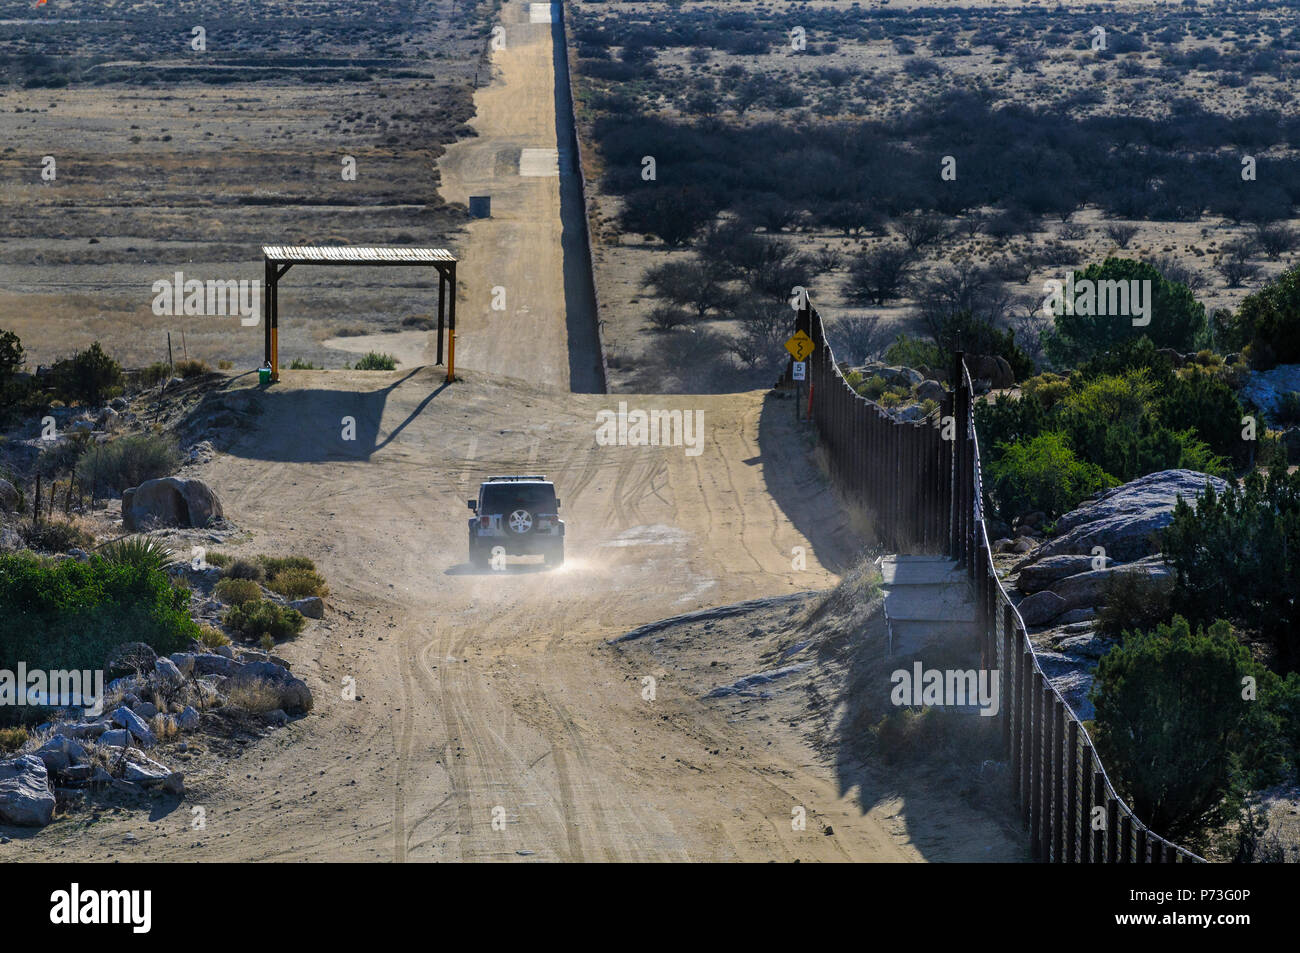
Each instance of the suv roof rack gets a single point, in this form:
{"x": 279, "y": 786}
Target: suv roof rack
{"x": 506, "y": 479}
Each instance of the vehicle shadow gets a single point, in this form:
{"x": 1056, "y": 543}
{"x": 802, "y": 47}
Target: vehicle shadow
{"x": 518, "y": 569}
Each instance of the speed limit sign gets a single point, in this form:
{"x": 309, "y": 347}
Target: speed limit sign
{"x": 800, "y": 370}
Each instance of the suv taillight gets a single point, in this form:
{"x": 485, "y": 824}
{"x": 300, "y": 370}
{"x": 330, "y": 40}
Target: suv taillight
{"x": 484, "y": 522}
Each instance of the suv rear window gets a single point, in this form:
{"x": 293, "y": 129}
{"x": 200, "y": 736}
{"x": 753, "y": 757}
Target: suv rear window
{"x": 506, "y": 497}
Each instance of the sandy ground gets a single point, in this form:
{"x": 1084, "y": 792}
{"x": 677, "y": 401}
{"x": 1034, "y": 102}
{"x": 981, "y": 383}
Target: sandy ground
{"x": 486, "y": 691}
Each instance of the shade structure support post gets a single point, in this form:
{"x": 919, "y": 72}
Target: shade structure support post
{"x": 442, "y": 309}
{"x": 451, "y": 327}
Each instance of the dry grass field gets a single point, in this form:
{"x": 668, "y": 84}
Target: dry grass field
{"x": 171, "y": 159}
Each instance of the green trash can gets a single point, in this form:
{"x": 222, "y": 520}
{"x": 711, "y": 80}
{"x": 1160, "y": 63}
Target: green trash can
{"x": 264, "y": 375}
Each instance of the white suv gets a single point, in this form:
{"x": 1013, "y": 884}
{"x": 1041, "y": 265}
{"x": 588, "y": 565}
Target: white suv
{"x": 521, "y": 515}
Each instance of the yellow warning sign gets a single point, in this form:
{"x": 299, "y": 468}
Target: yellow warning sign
{"x": 800, "y": 346}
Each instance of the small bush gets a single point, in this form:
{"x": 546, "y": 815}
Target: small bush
{"x": 256, "y": 696}
{"x": 245, "y": 569}
{"x": 278, "y": 564}
{"x": 11, "y": 739}
{"x": 128, "y": 461}
{"x": 298, "y": 584}
{"x": 225, "y": 365}
{"x": 192, "y": 368}
{"x": 220, "y": 560}
{"x": 374, "y": 361}
{"x": 210, "y": 637}
{"x": 55, "y": 536}
{"x": 253, "y": 620}
{"x": 300, "y": 365}
{"x": 155, "y": 374}
{"x": 236, "y": 592}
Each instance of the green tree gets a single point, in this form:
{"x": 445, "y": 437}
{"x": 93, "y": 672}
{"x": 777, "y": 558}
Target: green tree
{"x": 1169, "y": 714}
{"x": 1043, "y": 474}
{"x": 90, "y": 376}
{"x": 1177, "y": 319}
{"x": 11, "y": 355}
{"x": 1268, "y": 323}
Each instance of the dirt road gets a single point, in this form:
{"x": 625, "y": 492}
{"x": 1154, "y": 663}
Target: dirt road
{"x": 494, "y": 692}
{"x": 525, "y": 308}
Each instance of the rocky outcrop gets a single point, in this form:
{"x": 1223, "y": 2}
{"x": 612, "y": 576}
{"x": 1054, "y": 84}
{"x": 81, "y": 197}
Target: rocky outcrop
{"x": 1126, "y": 521}
{"x": 170, "y": 501}
{"x": 25, "y": 795}
{"x": 991, "y": 368}
{"x": 1265, "y": 389}
{"x": 1041, "y": 608}
{"x": 1041, "y": 574}
{"x": 1150, "y": 575}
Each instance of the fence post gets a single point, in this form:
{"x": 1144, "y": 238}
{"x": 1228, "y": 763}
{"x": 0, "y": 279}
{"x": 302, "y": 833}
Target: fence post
{"x": 1072, "y": 792}
{"x": 1112, "y": 829}
{"x": 1026, "y": 726}
{"x": 1036, "y": 768}
{"x": 1098, "y": 800}
{"x": 1008, "y": 690}
{"x": 1140, "y": 846}
{"x": 1058, "y": 774}
{"x": 1047, "y": 702}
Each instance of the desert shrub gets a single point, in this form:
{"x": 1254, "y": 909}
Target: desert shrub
{"x": 139, "y": 551}
{"x": 90, "y": 376}
{"x": 914, "y": 352}
{"x": 1043, "y": 474}
{"x": 666, "y": 317}
{"x": 1169, "y": 714}
{"x": 74, "y": 613}
{"x": 245, "y": 569}
{"x": 374, "y": 361}
{"x": 255, "y": 619}
{"x": 1236, "y": 555}
{"x": 254, "y": 695}
{"x": 278, "y": 564}
{"x": 210, "y": 637}
{"x": 1047, "y": 389}
{"x": 55, "y": 536}
{"x": 298, "y": 364}
{"x": 11, "y": 739}
{"x": 873, "y": 387}
{"x": 1127, "y": 604}
{"x": 234, "y": 592}
{"x": 1177, "y": 319}
{"x": 297, "y": 583}
{"x": 192, "y": 368}
{"x": 220, "y": 560}
{"x": 128, "y": 461}
{"x": 154, "y": 374}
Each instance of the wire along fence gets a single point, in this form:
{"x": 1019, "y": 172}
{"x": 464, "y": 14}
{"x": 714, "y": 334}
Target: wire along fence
{"x": 921, "y": 482}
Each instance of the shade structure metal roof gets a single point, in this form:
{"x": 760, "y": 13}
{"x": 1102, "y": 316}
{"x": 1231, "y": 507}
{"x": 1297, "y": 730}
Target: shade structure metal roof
{"x": 356, "y": 255}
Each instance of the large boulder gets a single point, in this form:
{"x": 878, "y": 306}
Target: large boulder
{"x": 991, "y": 368}
{"x": 25, "y": 796}
{"x": 930, "y": 390}
{"x": 1039, "y": 574}
{"x": 313, "y": 607}
{"x": 204, "y": 664}
{"x": 292, "y": 693}
{"x": 1041, "y": 608}
{"x": 1126, "y": 521}
{"x": 8, "y": 496}
{"x": 170, "y": 501}
{"x": 1151, "y": 577}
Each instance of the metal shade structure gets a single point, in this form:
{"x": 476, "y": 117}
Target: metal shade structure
{"x": 278, "y": 259}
